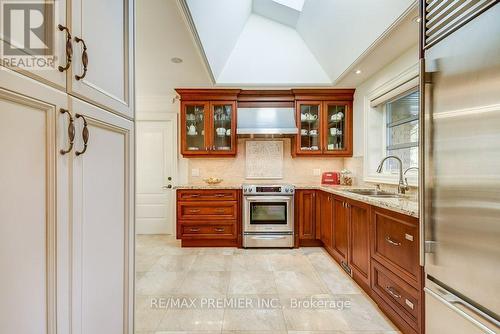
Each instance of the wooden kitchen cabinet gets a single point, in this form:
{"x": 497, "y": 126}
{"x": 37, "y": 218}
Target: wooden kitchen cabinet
{"x": 395, "y": 244}
{"x": 324, "y": 119}
{"x": 310, "y": 125}
{"x": 325, "y": 214}
{"x": 208, "y": 123}
{"x": 209, "y": 217}
{"x": 340, "y": 240}
{"x": 305, "y": 212}
{"x": 359, "y": 242}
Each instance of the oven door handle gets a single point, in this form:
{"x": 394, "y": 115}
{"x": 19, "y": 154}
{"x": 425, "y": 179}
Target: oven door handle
{"x": 268, "y": 198}
{"x": 269, "y": 237}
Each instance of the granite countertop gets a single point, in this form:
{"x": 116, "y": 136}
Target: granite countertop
{"x": 405, "y": 205}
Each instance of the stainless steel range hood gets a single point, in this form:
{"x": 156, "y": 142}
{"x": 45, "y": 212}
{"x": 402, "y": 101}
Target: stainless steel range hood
{"x": 266, "y": 122}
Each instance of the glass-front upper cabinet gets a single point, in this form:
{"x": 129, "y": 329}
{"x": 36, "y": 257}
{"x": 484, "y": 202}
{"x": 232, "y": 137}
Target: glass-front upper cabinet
{"x": 337, "y": 130}
{"x": 310, "y": 130}
{"x": 208, "y": 128}
{"x": 223, "y": 139}
{"x": 194, "y": 118}
{"x": 325, "y": 128}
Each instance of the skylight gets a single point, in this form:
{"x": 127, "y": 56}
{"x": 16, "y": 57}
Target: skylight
{"x": 294, "y": 4}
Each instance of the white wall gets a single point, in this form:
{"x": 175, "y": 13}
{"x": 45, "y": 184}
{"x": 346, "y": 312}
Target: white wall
{"x": 270, "y": 53}
{"x": 339, "y": 31}
{"x": 219, "y": 23}
{"x": 161, "y": 34}
{"x": 399, "y": 65}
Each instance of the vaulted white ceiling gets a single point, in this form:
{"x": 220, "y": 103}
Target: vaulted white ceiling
{"x": 288, "y": 42}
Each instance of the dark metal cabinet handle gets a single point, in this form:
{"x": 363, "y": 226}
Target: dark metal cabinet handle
{"x": 69, "y": 48}
{"x": 85, "y": 59}
{"x": 85, "y": 135}
{"x": 393, "y": 292}
{"x": 392, "y": 242}
{"x": 71, "y": 131}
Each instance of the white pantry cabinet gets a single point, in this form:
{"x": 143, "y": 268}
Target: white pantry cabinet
{"x": 103, "y": 232}
{"x": 98, "y": 66}
{"x": 105, "y": 29}
{"x": 66, "y": 218}
{"x": 54, "y": 11}
{"x": 34, "y": 201}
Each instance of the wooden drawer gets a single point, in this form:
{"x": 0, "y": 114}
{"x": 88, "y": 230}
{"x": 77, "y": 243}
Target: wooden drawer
{"x": 207, "y": 195}
{"x": 207, "y": 210}
{"x": 398, "y": 299}
{"x": 203, "y": 230}
{"x": 395, "y": 291}
{"x": 395, "y": 243}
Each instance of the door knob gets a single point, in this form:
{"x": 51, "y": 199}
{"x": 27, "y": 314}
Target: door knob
{"x": 167, "y": 187}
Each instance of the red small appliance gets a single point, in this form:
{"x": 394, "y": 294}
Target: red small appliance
{"x": 330, "y": 178}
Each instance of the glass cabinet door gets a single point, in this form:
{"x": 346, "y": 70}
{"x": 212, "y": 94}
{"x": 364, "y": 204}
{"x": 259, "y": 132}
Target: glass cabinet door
{"x": 309, "y": 116}
{"x": 223, "y": 127}
{"x": 194, "y": 127}
{"x": 336, "y": 129}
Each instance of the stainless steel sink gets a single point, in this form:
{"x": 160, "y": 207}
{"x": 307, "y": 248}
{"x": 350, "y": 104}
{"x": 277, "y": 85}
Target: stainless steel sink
{"x": 374, "y": 193}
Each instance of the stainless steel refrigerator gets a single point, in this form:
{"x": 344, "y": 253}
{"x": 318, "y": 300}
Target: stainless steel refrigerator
{"x": 461, "y": 158}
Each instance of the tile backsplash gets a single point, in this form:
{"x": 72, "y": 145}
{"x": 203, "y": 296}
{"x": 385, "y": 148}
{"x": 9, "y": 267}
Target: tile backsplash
{"x": 299, "y": 170}
{"x": 232, "y": 170}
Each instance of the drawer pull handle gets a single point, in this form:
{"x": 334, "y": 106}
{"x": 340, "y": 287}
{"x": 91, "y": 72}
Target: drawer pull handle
{"x": 409, "y": 303}
{"x": 220, "y": 210}
{"x": 393, "y": 292}
{"x": 194, "y": 229}
{"x": 194, "y": 210}
{"x": 193, "y": 196}
{"x": 392, "y": 242}
{"x": 219, "y": 229}
{"x": 220, "y": 195}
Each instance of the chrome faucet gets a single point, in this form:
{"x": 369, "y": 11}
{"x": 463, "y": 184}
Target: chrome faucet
{"x": 402, "y": 187}
{"x": 406, "y": 171}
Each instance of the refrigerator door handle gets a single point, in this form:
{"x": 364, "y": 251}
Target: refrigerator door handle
{"x": 478, "y": 317}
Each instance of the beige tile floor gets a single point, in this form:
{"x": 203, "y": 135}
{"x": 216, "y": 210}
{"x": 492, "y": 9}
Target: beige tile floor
{"x": 266, "y": 291}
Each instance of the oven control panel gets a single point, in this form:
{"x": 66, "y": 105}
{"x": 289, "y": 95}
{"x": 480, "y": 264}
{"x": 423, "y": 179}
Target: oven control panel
{"x": 262, "y": 189}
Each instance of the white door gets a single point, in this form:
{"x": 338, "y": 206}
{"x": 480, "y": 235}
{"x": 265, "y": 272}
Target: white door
{"x": 33, "y": 220}
{"x": 105, "y": 29}
{"x": 48, "y": 15}
{"x": 156, "y": 157}
{"x": 103, "y": 234}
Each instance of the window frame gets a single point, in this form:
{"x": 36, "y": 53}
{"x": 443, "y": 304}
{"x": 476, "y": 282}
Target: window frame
{"x": 372, "y": 156}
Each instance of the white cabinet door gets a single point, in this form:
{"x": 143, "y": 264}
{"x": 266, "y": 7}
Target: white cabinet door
{"x": 106, "y": 30}
{"x": 39, "y": 21}
{"x": 33, "y": 206}
{"x": 103, "y": 231}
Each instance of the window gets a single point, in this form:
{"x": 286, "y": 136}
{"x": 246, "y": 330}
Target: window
{"x": 391, "y": 113}
{"x": 401, "y": 127}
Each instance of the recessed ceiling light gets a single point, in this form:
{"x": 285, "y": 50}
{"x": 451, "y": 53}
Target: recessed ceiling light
{"x": 358, "y": 72}
{"x": 176, "y": 60}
